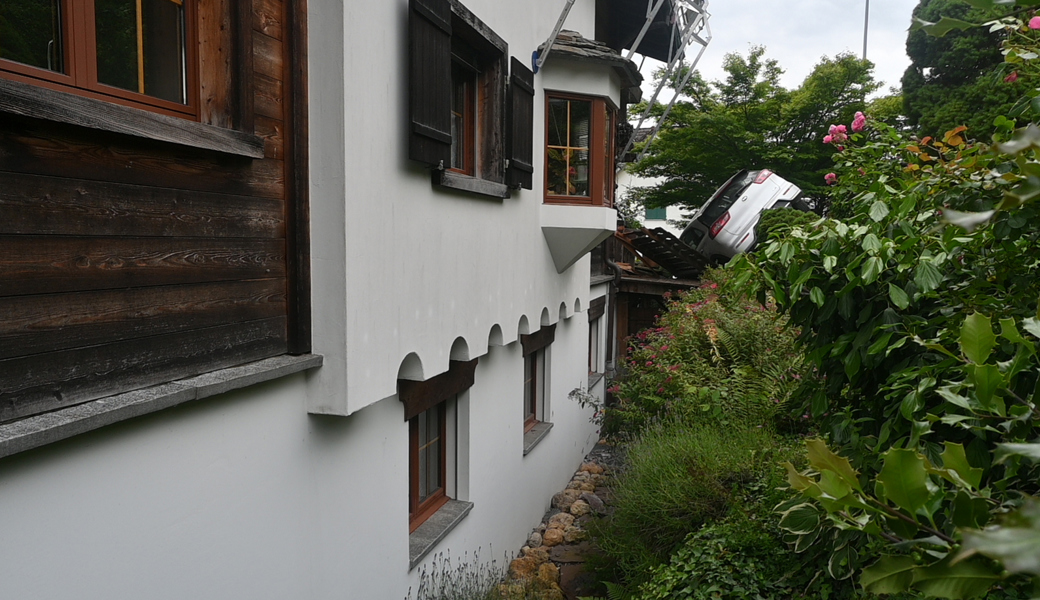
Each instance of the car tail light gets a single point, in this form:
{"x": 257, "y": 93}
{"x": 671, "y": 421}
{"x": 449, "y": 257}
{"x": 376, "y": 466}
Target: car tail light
{"x": 763, "y": 175}
{"x": 717, "y": 226}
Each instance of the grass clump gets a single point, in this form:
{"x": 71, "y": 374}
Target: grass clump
{"x": 679, "y": 476}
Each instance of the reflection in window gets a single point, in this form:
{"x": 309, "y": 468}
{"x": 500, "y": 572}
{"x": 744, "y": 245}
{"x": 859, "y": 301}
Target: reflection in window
{"x": 568, "y": 147}
{"x": 31, "y": 33}
{"x": 141, "y": 47}
{"x": 430, "y": 453}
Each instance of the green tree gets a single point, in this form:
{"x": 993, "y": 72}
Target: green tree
{"x": 956, "y": 79}
{"x": 749, "y": 121}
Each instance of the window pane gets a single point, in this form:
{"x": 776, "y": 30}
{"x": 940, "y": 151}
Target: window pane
{"x": 557, "y": 122}
{"x": 30, "y": 33}
{"x": 141, "y": 47}
{"x": 580, "y": 122}
{"x": 578, "y": 173}
{"x": 557, "y": 172}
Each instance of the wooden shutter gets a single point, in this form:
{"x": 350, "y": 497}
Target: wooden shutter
{"x": 520, "y": 139}
{"x": 430, "y": 82}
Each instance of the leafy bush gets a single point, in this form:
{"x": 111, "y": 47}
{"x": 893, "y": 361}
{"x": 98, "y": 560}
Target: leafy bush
{"x": 715, "y": 356}
{"x": 776, "y": 222}
{"x": 932, "y": 412}
{"x": 678, "y": 477}
{"x": 743, "y": 557}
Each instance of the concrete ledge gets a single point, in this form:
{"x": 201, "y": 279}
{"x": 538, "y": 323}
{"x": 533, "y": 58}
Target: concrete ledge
{"x": 594, "y": 379}
{"x": 47, "y": 428}
{"x": 535, "y": 434}
{"x": 430, "y": 533}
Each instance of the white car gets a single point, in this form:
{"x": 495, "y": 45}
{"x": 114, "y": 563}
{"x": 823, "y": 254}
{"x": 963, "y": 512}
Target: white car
{"x": 725, "y": 225}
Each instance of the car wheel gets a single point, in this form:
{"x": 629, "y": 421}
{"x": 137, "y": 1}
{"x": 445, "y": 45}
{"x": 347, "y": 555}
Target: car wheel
{"x": 800, "y": 204}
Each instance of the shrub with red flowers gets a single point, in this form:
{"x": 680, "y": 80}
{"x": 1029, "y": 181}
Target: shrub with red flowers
{"x": 714, "y": 355}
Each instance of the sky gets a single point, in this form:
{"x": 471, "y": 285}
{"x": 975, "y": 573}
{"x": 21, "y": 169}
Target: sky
{"x": 797, "y": 33}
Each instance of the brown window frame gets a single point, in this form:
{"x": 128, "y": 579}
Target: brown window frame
{"x": 79, "y": 46}
{"x": 421, "y": 510}
{"x": 601, "y": 152}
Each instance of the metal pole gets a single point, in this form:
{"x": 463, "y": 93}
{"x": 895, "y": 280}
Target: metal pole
{"x": 866, "y": 21}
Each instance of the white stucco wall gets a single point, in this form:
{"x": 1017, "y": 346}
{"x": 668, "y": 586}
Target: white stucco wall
{"x": 245, "y": 495}
{"x": 401, "y": 268}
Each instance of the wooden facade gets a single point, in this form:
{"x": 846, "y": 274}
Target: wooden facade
{"x": 130, "y": 258}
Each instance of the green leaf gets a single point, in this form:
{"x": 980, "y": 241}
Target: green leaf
{"x": 966, "y": 220}
{"x": 889, "y": 575}
{"x": 926, "y": 276}
{"x": 1030, "y": 451}
{"x": 1032, "y": 325}
{"x": 1016, "y": 543}
{"x": 1023, "y": 139}
{"x": 871, "y": 243}
{"x": 965, "y": 579}
{"x": 956, "y": 460}
{"x": 987, "y": 380}
{"x": 943, "y": 26}
{"x": 954, "y": 398}
{"x": 821, "y": 458}
{"x": 904, "y": 477}
{"x": 816, "y": 295}
{"x": 829, "y": 262}
{"x": 880, "y": 344}
{"x": 898, "y": 296}
{"x": 801, "y": 519}
{"x": 969, "y": 512}
{"x": 796, "y": 480}
{"x": 871, "y": 269}
{"x": 842, "y": 563}
{"x": 878, "y": 211}
{"x": 977, "y": 339}
{"x": 1009, "y": 331}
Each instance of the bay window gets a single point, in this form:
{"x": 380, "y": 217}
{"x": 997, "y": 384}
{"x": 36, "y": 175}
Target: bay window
{"x": 579, "y": 151}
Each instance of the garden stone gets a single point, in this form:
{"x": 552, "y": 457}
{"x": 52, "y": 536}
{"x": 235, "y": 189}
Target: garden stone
{"x": 563, "y": 500}
{"x": 552, "y": 537}
{"x": 523, "y": 568}
{"x": 540, "y": 555}
{"x": 574, "y": 534}
{"x": 570, "y": 553}
{"x": 594, "y": 502}
{"x": 579, "y": 508}
{"x": 561, "y": 521}
{"x": 535, "y": 540}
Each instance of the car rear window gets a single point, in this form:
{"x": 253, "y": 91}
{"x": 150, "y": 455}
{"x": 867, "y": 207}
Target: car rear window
{"x": 724, "y": 198}
{"x": 692, "y": 236}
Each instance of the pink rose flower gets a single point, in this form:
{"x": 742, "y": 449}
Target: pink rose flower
{"x": 859, "y": 122}
{"x": 1034, "y": 23}
{"x": 1013, "y": 77}
{"x": 838, "y": 133}
{"x": 830, "y": 178}
{"x": 827, "y": 139}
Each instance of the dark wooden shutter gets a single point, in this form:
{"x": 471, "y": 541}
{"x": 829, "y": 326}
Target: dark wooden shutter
{"x": 520, "y": 141}
{"x": 430, "y": 82}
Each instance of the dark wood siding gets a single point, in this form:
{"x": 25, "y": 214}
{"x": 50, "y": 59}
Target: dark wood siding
{"x": 126, "y": 262}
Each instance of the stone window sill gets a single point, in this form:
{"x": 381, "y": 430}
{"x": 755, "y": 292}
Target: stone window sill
{"x": 534, "y": 435}
{"x": 434, "y": 529}
{"x": 594, "y": 379}
{"x": 40, "y": 430}
{"x": 29, "y": 100}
